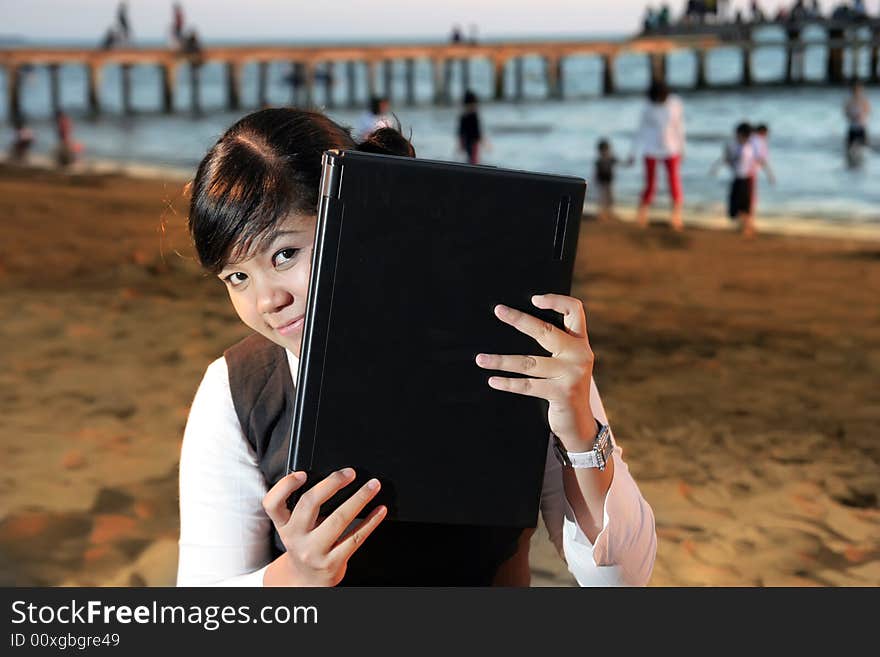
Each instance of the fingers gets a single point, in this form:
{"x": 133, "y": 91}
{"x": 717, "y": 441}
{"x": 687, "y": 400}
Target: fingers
{"x": 542, "y": 388}
{"x": 305, "y": 513}
{"x": 536, "y": 366}
{"x": 332, "y": 527}
{"x": 275, "y": 501}
{"x": 544, "y": 333}
{"x": 355, "y": 539}
{"x": 571, "y": 309}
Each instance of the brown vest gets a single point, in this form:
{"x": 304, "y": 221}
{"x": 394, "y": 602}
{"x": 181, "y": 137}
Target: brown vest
{"x": 397, "y": 553}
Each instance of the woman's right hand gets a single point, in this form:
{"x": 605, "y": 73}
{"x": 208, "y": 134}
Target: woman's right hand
{"x": 317, "y": 553}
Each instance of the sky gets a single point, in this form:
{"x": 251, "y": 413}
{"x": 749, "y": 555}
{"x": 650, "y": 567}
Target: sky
{"x": 292, "y": 19}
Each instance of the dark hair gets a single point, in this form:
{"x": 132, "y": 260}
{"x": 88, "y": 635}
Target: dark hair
{"x": 658, "y": 92}
{"x": 264, "y": 168}
{"x": 470, "y": 98}
{"x": 387, "y": 141}
{"x": 762, "y": 129}
{"x": 603, "y": 145}
{"x": 743, "y": 129}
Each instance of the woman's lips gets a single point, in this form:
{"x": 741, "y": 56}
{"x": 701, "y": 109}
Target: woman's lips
{"x": 291, "y": 327}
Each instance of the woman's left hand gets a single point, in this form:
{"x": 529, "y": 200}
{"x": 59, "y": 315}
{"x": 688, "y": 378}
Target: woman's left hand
{"x": 563, "y": 378}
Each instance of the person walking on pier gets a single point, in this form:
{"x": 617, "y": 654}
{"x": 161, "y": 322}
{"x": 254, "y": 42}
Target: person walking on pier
{"x": 661, "y": 138}
{"x": 177, "y": 23}
{"x": 469, "y": 133}
{"x": 124, "y": 30}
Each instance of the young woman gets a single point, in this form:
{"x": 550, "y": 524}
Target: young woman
{"x": 661, "y": 138}
{"x": 252, "y": 218}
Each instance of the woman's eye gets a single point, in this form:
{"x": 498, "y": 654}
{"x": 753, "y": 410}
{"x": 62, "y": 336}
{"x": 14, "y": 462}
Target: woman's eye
{"x": 284, "y": 256}
{"x": 236, "y": 278}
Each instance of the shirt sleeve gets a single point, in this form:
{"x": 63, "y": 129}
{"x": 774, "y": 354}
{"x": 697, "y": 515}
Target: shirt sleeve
{"x": 625, "y": 549}
{"x": 224, "y": 531}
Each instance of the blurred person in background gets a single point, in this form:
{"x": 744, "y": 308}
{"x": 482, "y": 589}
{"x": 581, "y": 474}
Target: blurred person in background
{"x": 660, "y": 137}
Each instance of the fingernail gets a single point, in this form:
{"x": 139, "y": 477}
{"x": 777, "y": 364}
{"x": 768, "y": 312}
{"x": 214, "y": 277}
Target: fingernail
{"x": 299, "y": 476}
{"x": 503, "y": 310}
{"x": 373, "y": 484}
{"x": 348, "y": 473}
{"x": 482, "y": 359}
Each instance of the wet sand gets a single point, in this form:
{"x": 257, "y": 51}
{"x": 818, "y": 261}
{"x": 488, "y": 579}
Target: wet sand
{"x": 740, "y": 378}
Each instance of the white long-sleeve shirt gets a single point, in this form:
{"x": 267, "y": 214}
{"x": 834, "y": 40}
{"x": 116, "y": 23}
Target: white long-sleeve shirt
{"x": 661, "y": 132}
{"x": 224, "y": 531}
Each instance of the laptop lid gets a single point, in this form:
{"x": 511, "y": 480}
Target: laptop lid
{"x": 410, "y": 258}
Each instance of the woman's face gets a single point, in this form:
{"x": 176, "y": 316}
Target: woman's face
{"x": 268, "y": 288}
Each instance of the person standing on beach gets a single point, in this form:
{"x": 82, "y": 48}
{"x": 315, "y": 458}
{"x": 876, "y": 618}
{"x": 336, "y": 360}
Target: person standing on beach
{"x": 761, "y": 148}
{"x": 374, "y": 117}
{"x": 68, "y": 148}
{"x": 252, "y": 219}
{"x": 604, "y": 180}
{"x": 856, "y": 109}
{"x": 739, "y": 155}
{"x": 660, "y": 137}
{"x": 22, "y": 140}
{"x": 469, "y": 133}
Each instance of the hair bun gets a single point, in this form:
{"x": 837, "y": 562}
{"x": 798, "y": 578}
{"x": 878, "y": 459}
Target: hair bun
{"x": 387, "y": 141}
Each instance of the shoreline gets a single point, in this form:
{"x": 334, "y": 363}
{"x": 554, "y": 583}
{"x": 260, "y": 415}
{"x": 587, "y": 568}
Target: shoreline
{"x": 783, "y": 225}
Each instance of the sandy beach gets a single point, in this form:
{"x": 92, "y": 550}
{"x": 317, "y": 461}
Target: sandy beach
{"x": 741, "y": 379}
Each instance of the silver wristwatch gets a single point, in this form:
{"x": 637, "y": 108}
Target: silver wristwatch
{"x": 595, "y": 458}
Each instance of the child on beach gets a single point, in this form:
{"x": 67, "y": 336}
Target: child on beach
{"x": 604, "y": 178}
{"x": 252, "y": 219}
{"x": 739, "y": 155}
{"x": 761, "y": 148}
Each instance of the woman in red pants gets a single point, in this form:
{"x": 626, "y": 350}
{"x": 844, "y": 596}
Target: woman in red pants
{"x": 660, "y": 138}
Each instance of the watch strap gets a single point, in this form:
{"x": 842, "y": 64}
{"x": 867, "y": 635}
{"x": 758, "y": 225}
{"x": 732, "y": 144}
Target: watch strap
{"x": 597, "y": 457}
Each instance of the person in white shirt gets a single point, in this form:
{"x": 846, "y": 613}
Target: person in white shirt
{"x": 376, "y": 116}
{"x": 661, "y": 138}
{"x": 740, "y": 155}
{"x": 761, "y": 148}
{"x": 253, "y": 227}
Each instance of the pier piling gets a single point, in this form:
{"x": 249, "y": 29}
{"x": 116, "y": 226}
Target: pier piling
{"x": 608, "y": 80}
{"x": 835, "y": 55}
{"x": 167, "y": 75}
{"x": 125, "y": 77}
{"x": 262, "y": 83}
{"x": 519, "y": 77}
{"x": 700, "y": 63}
{"x": 351, "y": 78}
{"x": 410, "y": 74}
{"x": 93, "y": 80}
{"x": 54, "y": 88}
{"x": 195, "y": 86}
{"x": 498, "y": 67}
{"x": 13, "y": 91}
{"x": 233, "y": 85}
{"x": 747, "y": 67}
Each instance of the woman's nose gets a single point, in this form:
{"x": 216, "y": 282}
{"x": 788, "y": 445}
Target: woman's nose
{"x": 272, "y": 298}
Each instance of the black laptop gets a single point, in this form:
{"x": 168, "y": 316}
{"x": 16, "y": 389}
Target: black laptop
{"x": 410, "y": 258}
